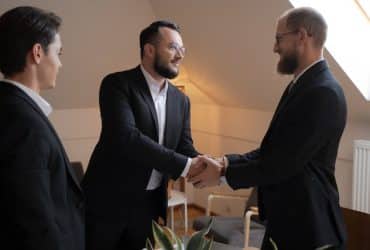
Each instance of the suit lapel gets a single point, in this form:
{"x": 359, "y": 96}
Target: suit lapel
{"x": 306, "y": 80}
{"x": 145, "y": 92}
{"x": 281, "y": 104}
{"x": 171, "y": 116}
{"x": 37, "y": 109}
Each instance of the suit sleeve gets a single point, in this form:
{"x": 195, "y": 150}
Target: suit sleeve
{"x": 186, "y": 146}
{"x": 27, "y": 206}
{"x": 301, "y": 131}
{"x": 243, "y": 158}
{"x": 118, "y": 118}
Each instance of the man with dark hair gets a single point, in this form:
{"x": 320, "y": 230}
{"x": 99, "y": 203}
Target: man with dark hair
{"x": 145, "y": 140}
{"x": 295, "y": 163}
{"x": 41, "y": 201}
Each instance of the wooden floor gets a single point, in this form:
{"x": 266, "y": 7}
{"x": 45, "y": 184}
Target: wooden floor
{"x": 193, "y": 213}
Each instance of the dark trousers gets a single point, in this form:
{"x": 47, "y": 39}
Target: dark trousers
{"x": 128, "y": 234}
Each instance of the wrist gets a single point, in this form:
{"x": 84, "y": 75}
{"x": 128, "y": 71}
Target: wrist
{"x": 222, "y": 170}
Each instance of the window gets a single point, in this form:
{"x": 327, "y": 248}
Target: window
{"x": 348, "y": 37}
{"x": 364, "y": 5}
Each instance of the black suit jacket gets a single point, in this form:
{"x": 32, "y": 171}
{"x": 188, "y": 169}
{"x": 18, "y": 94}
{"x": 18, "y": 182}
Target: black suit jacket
{"x": 41, "y": 201}
{"x": 128, "y": 149}
{"x": 294, "y": 166}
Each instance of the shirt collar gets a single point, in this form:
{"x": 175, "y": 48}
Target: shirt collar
{"x": 41, "y": 102}
{"x": 307, "y": 68}
{"x": 153, "y": 84}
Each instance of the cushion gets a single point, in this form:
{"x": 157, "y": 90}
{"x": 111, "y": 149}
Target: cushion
{"x": 230, "y": 230}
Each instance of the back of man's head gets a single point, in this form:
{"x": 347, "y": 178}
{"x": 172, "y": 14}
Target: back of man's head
{"x": 310, "y": 20}
{"x": 20, "y": 29}
{"x": 151, "y": 33}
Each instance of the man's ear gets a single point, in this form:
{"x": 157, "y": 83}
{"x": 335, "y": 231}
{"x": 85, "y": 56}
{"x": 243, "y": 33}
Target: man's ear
{"x": 37, "y": 53}
{"x": 149, "y": 50}
{"x": 303, "y": 34}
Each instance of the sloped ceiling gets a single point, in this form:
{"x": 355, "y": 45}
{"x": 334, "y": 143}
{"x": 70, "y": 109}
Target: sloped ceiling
{"x": 229, "y": 49}
{"x": 229, "y": 52}
{"x": 99, "y": 37}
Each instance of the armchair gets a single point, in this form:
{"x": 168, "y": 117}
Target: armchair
{"x": 246, "y": 232}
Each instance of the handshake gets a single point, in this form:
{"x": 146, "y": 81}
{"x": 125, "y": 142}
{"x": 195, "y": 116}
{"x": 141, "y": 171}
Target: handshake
{"x": 206, "y": 171}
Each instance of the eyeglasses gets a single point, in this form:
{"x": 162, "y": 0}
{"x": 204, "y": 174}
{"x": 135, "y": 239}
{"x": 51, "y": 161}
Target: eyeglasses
{"x": 280, "y": 36}
{"x": 177, "y": 48}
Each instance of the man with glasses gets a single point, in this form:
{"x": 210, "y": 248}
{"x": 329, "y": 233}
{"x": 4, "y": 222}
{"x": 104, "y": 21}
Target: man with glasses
{"x": 145, "y": 140}
{"x": 295, "y": 163}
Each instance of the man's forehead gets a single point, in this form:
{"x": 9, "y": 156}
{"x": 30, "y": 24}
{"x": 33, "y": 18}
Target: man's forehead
{"x": 281, "y": 23}
{"x": 169, "y": 34}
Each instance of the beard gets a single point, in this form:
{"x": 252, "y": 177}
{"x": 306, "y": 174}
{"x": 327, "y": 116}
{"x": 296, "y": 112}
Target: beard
{"x": 164, "y": 70}
{"x": 288, "y": 64}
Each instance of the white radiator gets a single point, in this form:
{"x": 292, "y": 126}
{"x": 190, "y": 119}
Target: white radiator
{"x": 361, "y": 176}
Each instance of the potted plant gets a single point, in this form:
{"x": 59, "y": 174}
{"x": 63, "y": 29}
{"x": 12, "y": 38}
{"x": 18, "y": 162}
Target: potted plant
{"x": 166, "y": 239}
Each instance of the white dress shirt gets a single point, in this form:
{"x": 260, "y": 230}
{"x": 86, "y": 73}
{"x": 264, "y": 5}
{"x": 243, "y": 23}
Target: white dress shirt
{"x": 159, "y": 97}
{"x": 41, "y": 102}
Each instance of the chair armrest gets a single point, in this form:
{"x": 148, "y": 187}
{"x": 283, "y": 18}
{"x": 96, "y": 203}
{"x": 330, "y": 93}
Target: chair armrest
{"x": 247, "y": 224}
{"x": 218, "y": 195}
{"x": 254, "y": 209}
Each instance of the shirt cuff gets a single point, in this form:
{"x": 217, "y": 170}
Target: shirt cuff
{"x": 223, "y": 180}
{"x": 187, "y": 167}
{"x": 226, "y": 162}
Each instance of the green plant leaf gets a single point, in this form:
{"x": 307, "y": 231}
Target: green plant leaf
{"x": 148, "y": 245}
{"x": 180, "y": 245}
{"x": 273, "y": 244}
{"x": 207, "y": 244}
{"x": 197, "y": 241}
{"x": 175, "y": 239}
{"x": 160, "y": 237}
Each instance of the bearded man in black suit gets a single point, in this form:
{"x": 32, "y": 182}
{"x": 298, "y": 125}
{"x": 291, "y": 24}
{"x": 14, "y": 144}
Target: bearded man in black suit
{"x": 294, "y": 166}
{"x": 145, "y": 140}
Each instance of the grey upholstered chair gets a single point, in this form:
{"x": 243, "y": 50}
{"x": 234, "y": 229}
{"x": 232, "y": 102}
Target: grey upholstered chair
{"x": 244, "y": 232}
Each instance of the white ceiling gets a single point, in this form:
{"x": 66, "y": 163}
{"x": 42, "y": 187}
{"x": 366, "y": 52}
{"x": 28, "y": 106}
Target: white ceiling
{"x": 229, "y": 49}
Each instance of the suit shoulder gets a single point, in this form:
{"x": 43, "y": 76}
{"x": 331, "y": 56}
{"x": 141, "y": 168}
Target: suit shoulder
{"x": 18, "y": 111}
{"x": 20, "y": 120}
{"x": 178, "y": 92}
{"x": 329, "y": 84}
{"x": 122, "y": 75}
{"x": 120, "y": 78}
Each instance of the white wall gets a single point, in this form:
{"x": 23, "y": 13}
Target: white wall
{"x": 98, "y": 37}
{"x": 79, "y": 131}
{"x": 218, "y": 130}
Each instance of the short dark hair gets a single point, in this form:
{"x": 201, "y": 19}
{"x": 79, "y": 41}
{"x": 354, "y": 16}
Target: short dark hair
{"x": 150, "y": 33}
{"x": 20, "y": 29}
{"x": 309, "y": 19}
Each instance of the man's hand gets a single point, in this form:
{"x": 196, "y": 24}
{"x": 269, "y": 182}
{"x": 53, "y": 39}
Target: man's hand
{"x": 210, "y": 176}
{"x": 196, "y": 167}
